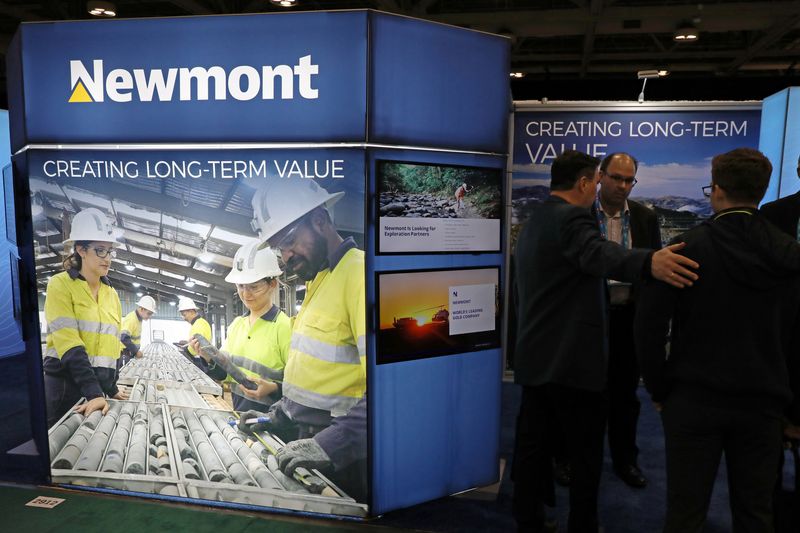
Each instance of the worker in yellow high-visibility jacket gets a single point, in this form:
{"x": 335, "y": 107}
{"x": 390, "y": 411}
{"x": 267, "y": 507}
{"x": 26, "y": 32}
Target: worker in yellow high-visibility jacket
{"x": 257, "y": 344}
{"x": 191, "y": 314}
{"x": 324, "y": 386}
{"x": 131, "y": 336}
{"x": 84, "y": 316}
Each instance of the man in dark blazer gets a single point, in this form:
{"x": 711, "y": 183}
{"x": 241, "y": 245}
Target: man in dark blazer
{"x": 631, "y": 225}
{"x": 785, "y": 213}
{"x": 561, "y": 263}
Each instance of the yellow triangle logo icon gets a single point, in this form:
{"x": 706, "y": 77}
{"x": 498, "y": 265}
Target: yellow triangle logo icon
{"x": 80, "y": 94}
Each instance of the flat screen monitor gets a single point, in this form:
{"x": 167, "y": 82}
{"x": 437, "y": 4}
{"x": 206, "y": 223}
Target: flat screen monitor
{"x": 429, "y": 313}
{"x": 436, "y": 208}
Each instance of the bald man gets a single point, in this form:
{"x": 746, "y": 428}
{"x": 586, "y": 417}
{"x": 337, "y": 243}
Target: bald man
{"x": 632, "y": 225}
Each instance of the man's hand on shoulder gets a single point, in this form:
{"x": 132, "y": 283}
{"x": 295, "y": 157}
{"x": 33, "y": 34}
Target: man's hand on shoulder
{"x": 673, "y": 268}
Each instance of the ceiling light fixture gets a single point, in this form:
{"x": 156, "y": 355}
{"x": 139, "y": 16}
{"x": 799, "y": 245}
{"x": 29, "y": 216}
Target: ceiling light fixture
{"x": 129, "y": 266}
{"x": 517, "y": 75}
{"x": 139, "y": 294}
{"x": 172, "y": 304}
{"x": 205, "y": 256}
{"x": 284, "y": 3}
{"x": 686, "y": 33}
{"x": 189, "y": 282}
{"x": 101, "y": 9}
{"x": 136, "y": 284}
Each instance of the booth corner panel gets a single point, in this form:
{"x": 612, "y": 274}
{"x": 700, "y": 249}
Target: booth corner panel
{"x": 423, "y": 93}
{"x": 432, "y": 435}
{"x": 780, "y": 141}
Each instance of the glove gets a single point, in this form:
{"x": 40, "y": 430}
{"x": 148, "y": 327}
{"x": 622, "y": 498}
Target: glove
{"x": 304, "y": 453}
{"x": 252, "y": 428}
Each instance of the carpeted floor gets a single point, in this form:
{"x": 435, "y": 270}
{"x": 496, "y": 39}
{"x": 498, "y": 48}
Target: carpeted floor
{"x": 622, "y": 509}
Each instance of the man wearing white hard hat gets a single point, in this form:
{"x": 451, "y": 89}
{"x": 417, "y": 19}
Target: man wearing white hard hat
{"x": 324, "y": 386}
{"x": 191, "y": 314}
{"x": 257, "y": 343}
{"x": 131, "y": 337}
{"x": 84, "y": 319}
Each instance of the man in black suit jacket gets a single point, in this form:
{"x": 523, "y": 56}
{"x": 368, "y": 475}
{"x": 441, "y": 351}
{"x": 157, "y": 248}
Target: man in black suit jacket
{"x": 785, "y": 213}
{"x": 561, "y": 263}
{"x": 631, "y": 225}
{"x": 733, "y": 367}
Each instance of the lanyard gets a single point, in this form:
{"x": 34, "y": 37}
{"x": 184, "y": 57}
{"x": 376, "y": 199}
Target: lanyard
{"x": 626, "y": 223}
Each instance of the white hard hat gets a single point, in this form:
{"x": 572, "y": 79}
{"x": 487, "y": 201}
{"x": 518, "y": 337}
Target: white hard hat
{"x": 91, "y": 224}
{"x": 184, "y": 304}
{"x": 251, "y": 264}
{"x": 281, "y": 202}
{"x": 147, "y": 302}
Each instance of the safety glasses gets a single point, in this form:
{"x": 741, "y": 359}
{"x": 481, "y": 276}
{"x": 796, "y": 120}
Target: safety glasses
{"x": 252, "y": 288}
{"x": 102, "y": 253}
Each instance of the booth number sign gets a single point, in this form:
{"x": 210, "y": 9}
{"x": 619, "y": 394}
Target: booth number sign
{"x": 44, "y": 501}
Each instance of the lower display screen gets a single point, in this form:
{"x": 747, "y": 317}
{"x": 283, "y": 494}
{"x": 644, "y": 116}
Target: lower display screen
{"x": 437, "y": 312}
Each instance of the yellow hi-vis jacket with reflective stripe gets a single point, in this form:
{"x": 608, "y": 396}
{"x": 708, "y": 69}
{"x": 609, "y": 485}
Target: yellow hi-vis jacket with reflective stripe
{"x": 259, "y": 350}
{"x": 75, "y": 319}
{"x": 133, "y": 327}
{"x": 201, "y": 326}
{"x": 327, "y": 361}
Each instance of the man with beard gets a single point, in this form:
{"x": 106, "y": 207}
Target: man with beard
{"x": 324, "y": 387}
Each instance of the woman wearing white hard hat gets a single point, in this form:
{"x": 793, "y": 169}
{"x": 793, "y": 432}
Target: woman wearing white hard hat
{"x": 199, "y": 325}
{"x": 131, "y": 337}
{"x": 258, "y": 342}
{"x": 84, "y": 318}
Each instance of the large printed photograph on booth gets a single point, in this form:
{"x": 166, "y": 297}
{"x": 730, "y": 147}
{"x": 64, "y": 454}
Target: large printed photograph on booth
{"x": 183, "y": 297}
{"x": 429, "y": 208}
{"x": 674, "y": 150}
{"x": 437, "y": 312}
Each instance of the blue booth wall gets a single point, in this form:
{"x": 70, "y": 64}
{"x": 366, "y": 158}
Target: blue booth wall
{"x": 780, "y": 141}
{"x": 19, "y": 459}
{"x": 392, "y": 87}
{"x": 435, "y": 422}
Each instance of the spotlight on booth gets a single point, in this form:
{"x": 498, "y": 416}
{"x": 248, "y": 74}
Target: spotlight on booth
{"x": 649, "y": 75}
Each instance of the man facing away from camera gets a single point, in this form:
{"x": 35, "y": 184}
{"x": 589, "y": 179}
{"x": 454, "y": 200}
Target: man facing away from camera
{"x": 732, "y": 371}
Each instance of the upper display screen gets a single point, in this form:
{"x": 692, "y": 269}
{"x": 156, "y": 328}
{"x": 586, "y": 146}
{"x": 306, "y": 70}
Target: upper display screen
{"x": 429, "y": 208}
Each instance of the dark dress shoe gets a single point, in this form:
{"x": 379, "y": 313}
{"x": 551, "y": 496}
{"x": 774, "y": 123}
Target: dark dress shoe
{"x": 549, "y": 526}
{"x": 632, "y": 476}
{"x": 562, "y": 472}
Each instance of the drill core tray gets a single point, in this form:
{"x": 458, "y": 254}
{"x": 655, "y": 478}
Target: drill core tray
{"x": 206, "y": 458}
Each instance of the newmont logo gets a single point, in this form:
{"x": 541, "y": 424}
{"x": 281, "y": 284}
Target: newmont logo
{"x": 241, "y": 83}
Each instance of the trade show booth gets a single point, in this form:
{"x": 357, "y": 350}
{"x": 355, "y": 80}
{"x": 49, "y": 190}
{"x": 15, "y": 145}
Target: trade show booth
{"x": 194, "y": 136}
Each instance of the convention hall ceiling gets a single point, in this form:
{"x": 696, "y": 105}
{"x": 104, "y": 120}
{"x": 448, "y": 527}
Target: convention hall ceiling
{"x": 553, "y": 40}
